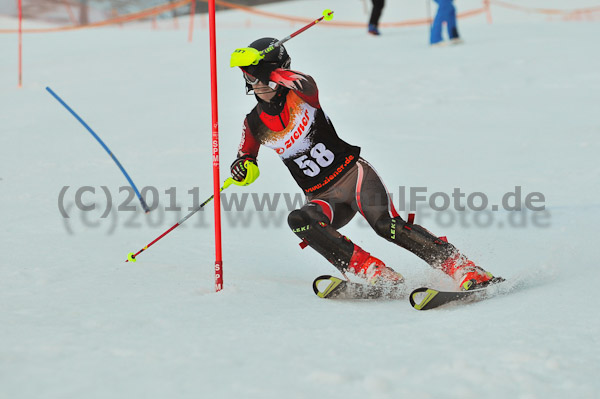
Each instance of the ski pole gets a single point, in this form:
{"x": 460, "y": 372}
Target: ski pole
{"x": 132, "y": 257}
{"x": 429, "y": 14}
{"x": 89, "y": 129}
{"x": 246, "y": 56}
{"x": 327, "y": 15}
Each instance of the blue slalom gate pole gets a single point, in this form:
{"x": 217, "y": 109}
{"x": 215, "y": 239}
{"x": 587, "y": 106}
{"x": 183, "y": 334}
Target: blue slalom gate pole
{"x": 144, "y": 206}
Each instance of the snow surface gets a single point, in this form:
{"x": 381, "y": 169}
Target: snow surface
{"x": 516, "y": 105}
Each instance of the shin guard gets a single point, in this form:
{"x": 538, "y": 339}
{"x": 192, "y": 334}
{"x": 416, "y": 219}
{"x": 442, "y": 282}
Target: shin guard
{"x": 418, "y": 240}
{"x": 312, "y": 226}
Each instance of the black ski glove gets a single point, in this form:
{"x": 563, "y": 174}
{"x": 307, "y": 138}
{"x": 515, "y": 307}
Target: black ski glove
{"x": 238, "y": 170}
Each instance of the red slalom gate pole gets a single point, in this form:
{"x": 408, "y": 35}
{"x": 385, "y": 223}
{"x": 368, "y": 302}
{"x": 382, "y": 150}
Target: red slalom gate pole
{"x": 191, "y": 25}
{"x": 488, "y": 11}
{"x": 215, "y": 147}
{"x": 20, "y": 43}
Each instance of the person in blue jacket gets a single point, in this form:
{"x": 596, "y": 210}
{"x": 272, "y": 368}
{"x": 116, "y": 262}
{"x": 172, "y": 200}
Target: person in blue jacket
{"x": 445, "y": 13}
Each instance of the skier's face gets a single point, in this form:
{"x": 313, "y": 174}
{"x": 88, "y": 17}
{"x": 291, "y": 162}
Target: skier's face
{"x": 263, "y": 91}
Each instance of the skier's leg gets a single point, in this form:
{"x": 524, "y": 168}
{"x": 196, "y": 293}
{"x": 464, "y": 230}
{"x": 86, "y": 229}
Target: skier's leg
{"x": 312, "y": 223}
{"x": 375, "y": 205}
{"x": 451, "y": 22}
{"x": 316, "y": 223}
{"x": 375, "y": 15}
{"x": 376, "y": 12}
{"x": 436, "y": 26}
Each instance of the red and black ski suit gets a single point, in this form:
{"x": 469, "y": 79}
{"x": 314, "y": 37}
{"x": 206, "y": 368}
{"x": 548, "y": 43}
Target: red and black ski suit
{"x": 336, "y": 180}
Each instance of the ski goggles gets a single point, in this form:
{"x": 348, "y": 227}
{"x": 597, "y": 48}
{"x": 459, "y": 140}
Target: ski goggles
{"x": 252, "y": 81}
{"x": 262, "y": 90}
{"x": 249, "y": 79}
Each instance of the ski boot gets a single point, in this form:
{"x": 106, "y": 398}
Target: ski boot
{"x": 468, "y": 275}
{"x": 372, "y": 269}
{"x": 373, "y": 30}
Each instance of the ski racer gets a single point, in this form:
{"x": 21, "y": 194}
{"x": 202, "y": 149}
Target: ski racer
{"x": 336, "y": 180}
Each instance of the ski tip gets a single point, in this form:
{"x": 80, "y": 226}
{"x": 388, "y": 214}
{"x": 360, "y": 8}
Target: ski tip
{"x": 333, "y": 283}
{"x": 420, "y": 297}
{"x": 317, "y": 281}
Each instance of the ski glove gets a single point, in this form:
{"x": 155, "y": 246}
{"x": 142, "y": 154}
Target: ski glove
{"x": 244, "y": 170}
{"x": 262, "y": 71}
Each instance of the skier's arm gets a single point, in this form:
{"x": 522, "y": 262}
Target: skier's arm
{"x": 248, "y": 145}
{"x": 245, "y": 168}
{"x": 303, "y": 85}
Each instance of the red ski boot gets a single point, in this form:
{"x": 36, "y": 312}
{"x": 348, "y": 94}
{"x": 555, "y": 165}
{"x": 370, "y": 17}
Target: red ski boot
{"x": 468, "y": 275}
{"x": 374, "y": 270}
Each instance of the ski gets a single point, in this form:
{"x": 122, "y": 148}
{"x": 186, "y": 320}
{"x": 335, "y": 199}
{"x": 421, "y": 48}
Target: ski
{"x": 426, "y": 298}
{"x": 335, "y": 288}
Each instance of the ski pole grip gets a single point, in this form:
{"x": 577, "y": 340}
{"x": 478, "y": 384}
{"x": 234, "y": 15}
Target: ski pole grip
{"x": 228, "y": 182}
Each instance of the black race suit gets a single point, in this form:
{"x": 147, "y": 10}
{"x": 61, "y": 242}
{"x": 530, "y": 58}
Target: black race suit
{"x": 337, "y": 182}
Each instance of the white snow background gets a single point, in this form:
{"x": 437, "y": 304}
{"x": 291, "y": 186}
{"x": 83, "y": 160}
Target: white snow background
{"x": 516, "y": 105}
